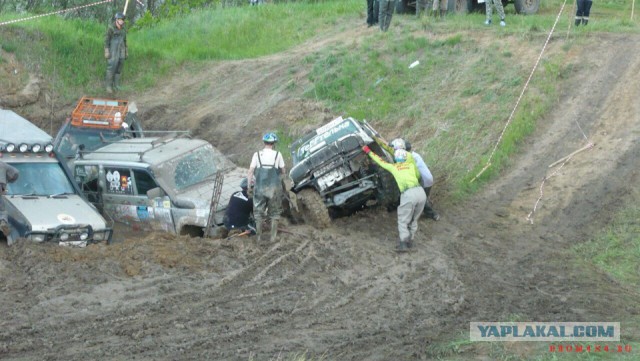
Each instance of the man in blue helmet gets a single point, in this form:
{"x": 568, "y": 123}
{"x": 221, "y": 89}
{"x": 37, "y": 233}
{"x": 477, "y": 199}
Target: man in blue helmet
{"x": 237, "y": 217}
{"x": 115, "y": 52}
{"x": 267, "y": 170}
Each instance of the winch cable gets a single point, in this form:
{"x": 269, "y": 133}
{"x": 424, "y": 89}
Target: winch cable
{"x": 524, "y": 88}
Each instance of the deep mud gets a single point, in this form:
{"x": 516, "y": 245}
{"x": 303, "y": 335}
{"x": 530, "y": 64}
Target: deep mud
{"x": 342, "y": 292}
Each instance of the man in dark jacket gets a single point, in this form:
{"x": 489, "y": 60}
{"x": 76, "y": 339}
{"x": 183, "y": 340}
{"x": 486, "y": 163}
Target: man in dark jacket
{"x": 8, "y": 174}
{"x": 115, "y": 51}
{"x": 238, "y": 213}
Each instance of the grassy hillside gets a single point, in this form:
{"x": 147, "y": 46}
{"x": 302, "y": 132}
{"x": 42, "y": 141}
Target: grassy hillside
{"x": 452, "y": 106}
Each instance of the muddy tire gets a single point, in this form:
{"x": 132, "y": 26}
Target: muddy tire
{"x": 388, "y": 192}
{"x": 312, "y": 208}
{"x": 527, "y": 7}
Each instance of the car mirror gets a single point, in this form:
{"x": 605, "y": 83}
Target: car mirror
{"x": 156, "y": 192}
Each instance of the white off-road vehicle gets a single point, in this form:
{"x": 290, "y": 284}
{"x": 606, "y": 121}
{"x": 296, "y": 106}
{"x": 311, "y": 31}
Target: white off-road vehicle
{"x": 44, "y": 205}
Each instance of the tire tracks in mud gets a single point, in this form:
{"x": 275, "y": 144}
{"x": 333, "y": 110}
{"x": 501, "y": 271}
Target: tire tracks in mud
{"x": 510, "y": 267}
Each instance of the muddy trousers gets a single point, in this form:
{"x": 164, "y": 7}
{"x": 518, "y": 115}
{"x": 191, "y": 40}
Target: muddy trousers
{"x": 412, "y": 203}
{"x": 582, "y": 13}
{"x": 386, "y": 12}
{"x": 263, "y": 207}
{"x": 114, "y": 70}
{"x": 429, "y": 212}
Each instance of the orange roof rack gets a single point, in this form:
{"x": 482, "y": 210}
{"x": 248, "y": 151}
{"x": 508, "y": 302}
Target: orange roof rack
{"x": 99, "y": 113}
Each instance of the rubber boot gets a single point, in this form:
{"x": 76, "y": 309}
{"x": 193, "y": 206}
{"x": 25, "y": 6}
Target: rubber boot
{"x": 259, "y": 229}
{"x": 578, "y": 22}
{"x": 108, "y": 82}
{"x": 402, "y": 247}
{"x": 116, "y": 82}
{"x": 274, "y": 229}
{"x": 585, "y": 21}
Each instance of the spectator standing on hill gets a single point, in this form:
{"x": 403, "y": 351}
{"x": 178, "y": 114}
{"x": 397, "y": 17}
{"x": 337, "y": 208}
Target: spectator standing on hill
{"x": 8, "y": 174}
{"x": 115, "y": 51}
{"x": 373, "y": 7}
{"x": 489, "y": 4}
{"x": 440, "y": 8}
{"x": 582, "y": 13}
{"x": 386, "y": 13}
{"x": 412, "y": 198}
{"x": 267, "y": 166}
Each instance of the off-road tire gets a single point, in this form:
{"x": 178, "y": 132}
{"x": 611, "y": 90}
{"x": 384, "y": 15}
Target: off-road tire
{"x": 527, "y": 7}
{"x": 313, "y": 210}
{"x": 388, "y": 192}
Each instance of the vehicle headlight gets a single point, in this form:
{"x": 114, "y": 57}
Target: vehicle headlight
{"x": 101, "y": 236}
{"x": 37, "y": 237}
{"x": 10, "y": 147}
{"x": 48, "y": 148}
{"x": 84, "y": 236}
{"x": 23, "y": 147}
{"x": 36, "y": 148}
{"x": 64, "y": 236}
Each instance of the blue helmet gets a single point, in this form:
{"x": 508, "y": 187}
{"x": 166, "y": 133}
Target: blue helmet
{"x": 270, "y": 138}
{"x": 400, "y": 155}
{"x": 119, "y": 15}
{"x": 244, "y": 183}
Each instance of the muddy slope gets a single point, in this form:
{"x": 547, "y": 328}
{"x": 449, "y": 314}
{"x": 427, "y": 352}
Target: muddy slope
{"x": 341, "y": 292}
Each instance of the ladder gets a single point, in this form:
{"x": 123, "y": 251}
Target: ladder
{"x": 215, "y": 198}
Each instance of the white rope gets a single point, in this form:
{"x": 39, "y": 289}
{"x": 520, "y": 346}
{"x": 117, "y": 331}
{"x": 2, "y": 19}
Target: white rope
{"x": 53, "y": 13}
{"x": 524, "y": 88}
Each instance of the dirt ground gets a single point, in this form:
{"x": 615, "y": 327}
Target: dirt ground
{"x": 341, "y": 292}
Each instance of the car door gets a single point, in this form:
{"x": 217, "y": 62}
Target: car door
{"x": 157, "y": 211}
{"x": 120, "y": 199}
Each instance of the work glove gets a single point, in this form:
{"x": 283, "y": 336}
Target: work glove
{"x": 366, "y": 149}
{"x": 106, "y": 53}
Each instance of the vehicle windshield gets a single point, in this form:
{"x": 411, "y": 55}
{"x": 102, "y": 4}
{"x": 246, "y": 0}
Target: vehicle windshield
{"x": 40, "y": 179}
{"x": 192, "y": 168}
{"x": 327, "y": 136}
{"x": 89, "y": 137}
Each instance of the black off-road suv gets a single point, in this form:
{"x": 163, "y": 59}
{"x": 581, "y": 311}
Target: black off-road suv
{"x": 333, "y": 177}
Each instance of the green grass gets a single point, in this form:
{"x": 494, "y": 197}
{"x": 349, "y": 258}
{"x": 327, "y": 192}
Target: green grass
{"x": 616, "y": 249}
{"x": 452, "y": 106}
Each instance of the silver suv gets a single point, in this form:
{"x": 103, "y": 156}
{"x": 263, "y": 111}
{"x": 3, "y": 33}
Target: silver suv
{"x": 44, "y": 204}
{"x": 161, "y": 184}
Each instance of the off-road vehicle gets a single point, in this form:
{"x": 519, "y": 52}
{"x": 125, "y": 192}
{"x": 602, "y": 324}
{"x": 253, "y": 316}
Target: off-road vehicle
{"x": 332, "y": 176}
{"x": 94, "y": 123}
{"x": 162, "y": 184}
{"x": 43, "y": 204}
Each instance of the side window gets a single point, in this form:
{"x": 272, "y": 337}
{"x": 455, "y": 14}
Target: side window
{"x": 118, "y": 181}
{"x": 144, "y": 181}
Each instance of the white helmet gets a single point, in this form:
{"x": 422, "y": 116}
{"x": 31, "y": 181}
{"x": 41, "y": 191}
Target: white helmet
{"x": 400, "y": 155}
{"x": 398, "y": 143}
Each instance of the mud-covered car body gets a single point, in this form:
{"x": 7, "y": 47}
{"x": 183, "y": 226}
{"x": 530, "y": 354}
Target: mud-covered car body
{"x": 330, "y": 161}
{"x": 162, "y": 184}
{"x": 43, "y": 204}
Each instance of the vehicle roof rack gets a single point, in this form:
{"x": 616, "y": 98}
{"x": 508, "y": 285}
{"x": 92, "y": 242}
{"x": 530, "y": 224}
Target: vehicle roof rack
{"x": 172, "y": 136}
{"x": 99, "y": 113}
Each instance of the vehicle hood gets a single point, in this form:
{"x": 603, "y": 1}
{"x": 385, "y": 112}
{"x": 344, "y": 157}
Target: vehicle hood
{"x": 200, "y": 195}
{"x": 44, "y": 213}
